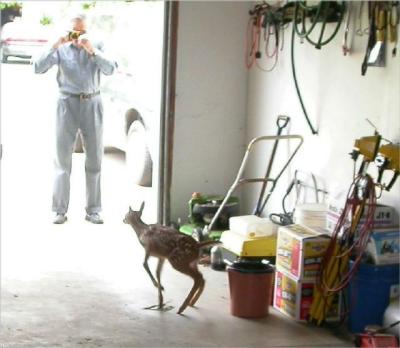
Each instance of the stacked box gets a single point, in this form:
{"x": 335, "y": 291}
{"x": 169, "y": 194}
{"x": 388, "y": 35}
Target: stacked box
{"x": 384, "y": 216}
{"x": 294, "y": 298}
{"x": 383, "y": 246}
{"x": 300, "y": 250}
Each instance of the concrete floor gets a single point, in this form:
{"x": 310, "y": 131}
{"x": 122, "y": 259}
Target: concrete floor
{"x": 81, "y": 285}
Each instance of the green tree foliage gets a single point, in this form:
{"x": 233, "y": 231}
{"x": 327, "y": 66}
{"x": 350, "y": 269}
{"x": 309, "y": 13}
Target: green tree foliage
{"x": 10, "y": 10}
{"x": 46, "y": 20}
{"x": 10, "y": 5}
{"x": 88, "y": 5}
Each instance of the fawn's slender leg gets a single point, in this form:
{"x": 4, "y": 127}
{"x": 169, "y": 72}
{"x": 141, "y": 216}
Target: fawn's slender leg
{"x": 146, "y": 267}
{"x": 160, "y": 288}
{"x": 193, "y": 273}
{"x": 199, "y": 291}
{"x": 195, "y": 287}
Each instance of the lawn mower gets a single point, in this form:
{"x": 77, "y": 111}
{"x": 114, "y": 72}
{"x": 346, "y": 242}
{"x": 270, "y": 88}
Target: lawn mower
{"x": 202, "y": 209}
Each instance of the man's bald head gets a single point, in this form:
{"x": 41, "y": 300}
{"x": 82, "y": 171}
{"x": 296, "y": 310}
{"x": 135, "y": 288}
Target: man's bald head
{"x": 78, "y": 22}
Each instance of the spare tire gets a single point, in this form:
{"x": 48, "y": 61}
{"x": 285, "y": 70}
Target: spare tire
{"x": 138, "y": 157}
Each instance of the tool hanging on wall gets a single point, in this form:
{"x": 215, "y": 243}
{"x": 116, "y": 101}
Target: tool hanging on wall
{"x": 377, "y": 55}
{"x": 350, "y": 242}
{"x": 383, "y": 26}
{"x": 393, "y": 22}
{"x": 346, "y": 44}
{"x": 371, "y": 38}
{"x": 265, "y": 32}
{"x": 360, "y": 31}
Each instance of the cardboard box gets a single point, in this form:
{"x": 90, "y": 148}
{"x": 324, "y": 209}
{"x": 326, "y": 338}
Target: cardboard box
{"x": 294, "y": 298}
{"x": 385, "y": 216}
{"x": 300, "y": 251}
{"x": 383, "y": 247}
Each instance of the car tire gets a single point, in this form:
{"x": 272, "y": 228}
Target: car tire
{"x": 130, "y": 116}
{"x": 138, "y": 158}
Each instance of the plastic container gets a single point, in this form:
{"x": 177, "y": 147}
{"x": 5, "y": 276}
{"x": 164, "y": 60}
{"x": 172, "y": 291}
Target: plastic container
{"x": 252, "y": 226}
{"x": 311, "y": 214}
{"x": 251, "y": 286}
{"x": 217, "y": 258}
{"x": 391, "y": 316}
{"x": 370, "y": 292}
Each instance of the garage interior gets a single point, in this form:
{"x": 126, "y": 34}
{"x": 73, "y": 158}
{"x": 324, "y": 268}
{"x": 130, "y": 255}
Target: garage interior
{"x": 81, "y": 285}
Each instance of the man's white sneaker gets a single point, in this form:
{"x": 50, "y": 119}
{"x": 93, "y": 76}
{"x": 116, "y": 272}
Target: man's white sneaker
{"x": 94, "y": 218}
{"x": 60, "y": 219}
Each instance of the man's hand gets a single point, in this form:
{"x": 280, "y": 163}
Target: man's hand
{"x": 87, "y": 46}
{"x": 61, "y": 41}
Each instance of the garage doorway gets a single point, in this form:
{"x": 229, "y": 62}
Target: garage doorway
{"x": 134, "y": 33}
{"x": 137, "y": 94}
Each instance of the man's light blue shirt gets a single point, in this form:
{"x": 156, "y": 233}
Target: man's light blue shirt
{"x": 78, "y": 72}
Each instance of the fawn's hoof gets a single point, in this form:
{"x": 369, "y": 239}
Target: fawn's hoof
{"x": 155, "y": 307}
{"x": 180, "y": 311}
{"x": 162, "y": 308}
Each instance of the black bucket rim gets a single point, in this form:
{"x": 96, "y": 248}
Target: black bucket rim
{"x": 251, "y": 267}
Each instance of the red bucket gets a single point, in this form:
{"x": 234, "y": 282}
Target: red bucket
{"x": 250, "y": 286}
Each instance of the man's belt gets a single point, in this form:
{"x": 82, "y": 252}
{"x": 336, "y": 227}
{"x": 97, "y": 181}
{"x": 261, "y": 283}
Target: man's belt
{"x": 82, "y": 96}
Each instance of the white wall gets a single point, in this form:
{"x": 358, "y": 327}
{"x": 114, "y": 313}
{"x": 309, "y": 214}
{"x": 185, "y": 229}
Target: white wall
{"x": 338, "y": 100}
{"x": 210, "y": 101}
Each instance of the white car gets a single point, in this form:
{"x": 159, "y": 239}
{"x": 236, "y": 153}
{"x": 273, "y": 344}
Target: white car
{"x": 22, "y": 40}
{"x": 127, "y": 125}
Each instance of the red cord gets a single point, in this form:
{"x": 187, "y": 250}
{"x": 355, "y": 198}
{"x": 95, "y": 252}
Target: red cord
{"x": 343, "y": 239}
{"x": 253, "y": 43}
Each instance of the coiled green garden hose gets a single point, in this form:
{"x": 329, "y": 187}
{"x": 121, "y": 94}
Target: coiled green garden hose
{"x": 305, "y": 34}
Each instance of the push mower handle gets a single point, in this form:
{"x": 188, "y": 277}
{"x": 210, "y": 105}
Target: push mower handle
{"x": 281, "y": 122}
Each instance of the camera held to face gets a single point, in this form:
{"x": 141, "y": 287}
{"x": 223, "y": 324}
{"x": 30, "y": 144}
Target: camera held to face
{"x": 74, "y": 35}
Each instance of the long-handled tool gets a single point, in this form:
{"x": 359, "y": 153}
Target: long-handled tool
{"x": 240, "y": 180}
{"x": 393, "y": 21}
{"x": 281, "y": 122}
{"x": 375, "y": 52}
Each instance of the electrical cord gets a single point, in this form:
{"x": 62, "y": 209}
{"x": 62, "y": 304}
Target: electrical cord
{"x": 271, "y": 17}
{"x": 263, "y": 16}
{"x": 347, "y": 242}
{"x": 268, "y": 32}
{"x": 253, "y": 30}
{"x": 359, "y": 246}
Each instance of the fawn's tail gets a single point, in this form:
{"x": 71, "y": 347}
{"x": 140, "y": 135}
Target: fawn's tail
{"x": 208, "y": 243}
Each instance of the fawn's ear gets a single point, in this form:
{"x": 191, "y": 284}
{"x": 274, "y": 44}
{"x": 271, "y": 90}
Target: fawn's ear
{"x": 130, "y": 209}
{"x": 141, "y": 207}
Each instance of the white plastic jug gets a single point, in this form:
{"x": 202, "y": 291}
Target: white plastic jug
{"x": 252, "y": 226}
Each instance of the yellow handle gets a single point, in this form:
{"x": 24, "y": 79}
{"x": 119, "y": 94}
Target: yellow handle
{"x": 392, "y": 21}
{"x": 380, "y": 26}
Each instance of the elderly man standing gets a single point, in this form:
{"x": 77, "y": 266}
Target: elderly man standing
{"x": 80, "y": 64}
